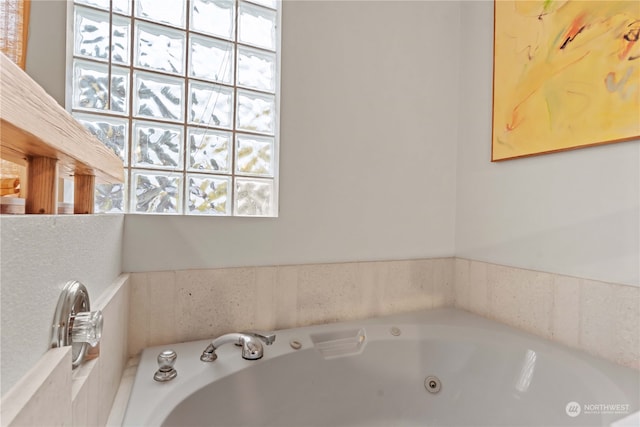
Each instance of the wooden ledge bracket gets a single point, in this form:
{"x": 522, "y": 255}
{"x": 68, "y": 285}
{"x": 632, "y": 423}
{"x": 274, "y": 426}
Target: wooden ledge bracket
{"x": 37, "y": 131}
{"x": 83, "y": 193}
{"x": 42, "y": 182}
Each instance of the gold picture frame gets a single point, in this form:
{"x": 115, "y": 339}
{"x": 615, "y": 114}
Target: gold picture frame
{"x": 566, "y": 75}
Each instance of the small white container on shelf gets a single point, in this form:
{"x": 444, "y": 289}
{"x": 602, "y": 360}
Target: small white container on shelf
{"x": 12, "y": 205}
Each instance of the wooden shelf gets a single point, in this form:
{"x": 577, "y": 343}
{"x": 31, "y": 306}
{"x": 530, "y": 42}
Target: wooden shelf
{"x": 34, "y": 127}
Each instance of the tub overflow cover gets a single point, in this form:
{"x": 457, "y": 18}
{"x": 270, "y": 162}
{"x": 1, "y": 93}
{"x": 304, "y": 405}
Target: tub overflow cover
{"x": 432, "y": 384}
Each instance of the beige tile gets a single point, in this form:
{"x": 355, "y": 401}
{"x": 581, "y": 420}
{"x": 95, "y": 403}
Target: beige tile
{"x": 479, "y": 290}
{"x": 286, "y": 301}
{"x": 113, "y": 348}
{"x": 328, "y": 293}
{"x": 627, "y": 325}
{"x": 420, "y": 293}
{"x": 384, "y": 276}
{"x": 461, "y": 283}
{"x": 265, "y": 313}
{"x": 443, "y": 282}
{"x": 161, "y": 294}
{"x": 370, "y": 289}
{"x": 610, "y": 322}
{"x": 537, "y": 303}
{"x": 214, "y": 302}
{"x": 139, "y": 319}
{"x": 521, "y": 298}
{"x": 566, "y": 310}
{"x": 124, "y": 391}
{"x": 43, "y": 396}
{"x": 80, "y": 407}
{"x": 597, "y": 319}
{"x": 406, "y": 285}
{"x": 503, "y": 305}
{"x": 93, "y": 399}
{"x": 85, "y": 394}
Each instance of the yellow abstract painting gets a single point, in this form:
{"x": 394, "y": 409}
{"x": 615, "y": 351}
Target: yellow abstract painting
{"x": 566, "y": 75}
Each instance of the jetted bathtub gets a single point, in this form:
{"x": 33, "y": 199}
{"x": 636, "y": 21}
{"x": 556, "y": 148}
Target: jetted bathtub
{"x": 441, "y": 367}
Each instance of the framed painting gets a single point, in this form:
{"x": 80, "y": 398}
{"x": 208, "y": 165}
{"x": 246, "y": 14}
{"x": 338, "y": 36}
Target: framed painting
{"x": 566, "y": 75}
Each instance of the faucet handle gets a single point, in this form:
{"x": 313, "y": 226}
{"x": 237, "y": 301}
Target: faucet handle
{"x": 166, "y": 371}
{"x": 87, "y": 327}
{"x": 268, "y": 337}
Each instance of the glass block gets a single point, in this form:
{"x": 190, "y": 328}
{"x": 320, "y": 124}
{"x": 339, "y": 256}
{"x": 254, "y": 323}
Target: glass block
{"x": 120, "y": 30}
{"x": 156, "y": 192}
{"x": 157, "y": 145}
{"x": 257, "y": 26}
{"x": 210, "y": 105}
{"x": 102, "y": 4}
{"x": 109, "y": 198}
{"x": 256, "y": 112}
{"x": 158, "y": 97}
{"x": 90, "y": 87}
{"x": 159, "y": 48}
{"x": 110, "y": 130}
{"x": 215, "y": 17}
{"x": 209, "y": 150}
{"x": 254, "y": 155}
{"x": 256, "y": 69}
{"x": 170, "y": 12}
{"x": 273, "y": 4}
{"x": 211, "y": 59}
{"x": 254, "y": 197}
{"x": 91, "y": 34}
{"x": 119, "y": 90}
{"x": 208, "y": 195}
{"x": 91, "y": 37}
{"x": 122, "y": 6}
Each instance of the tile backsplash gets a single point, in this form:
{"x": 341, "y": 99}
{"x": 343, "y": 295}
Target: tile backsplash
{"x": 598, "y": 317}
{"x": 168, "y": 307}
{"x": 155, "y": 308}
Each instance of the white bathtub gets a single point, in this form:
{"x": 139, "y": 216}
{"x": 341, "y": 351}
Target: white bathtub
{"x": 363, "y": 373}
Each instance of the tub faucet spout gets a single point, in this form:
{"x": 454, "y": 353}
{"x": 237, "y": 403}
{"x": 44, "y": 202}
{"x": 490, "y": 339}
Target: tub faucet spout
{"x": 249, "y": 341}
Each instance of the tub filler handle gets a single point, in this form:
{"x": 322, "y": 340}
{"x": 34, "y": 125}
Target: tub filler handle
{"x": 249, "y": 341}
{"x": 268, "y": 337}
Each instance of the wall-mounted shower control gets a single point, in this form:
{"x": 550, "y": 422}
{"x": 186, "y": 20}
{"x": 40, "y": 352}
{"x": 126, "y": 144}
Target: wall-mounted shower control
{"x": 74, "y": 324}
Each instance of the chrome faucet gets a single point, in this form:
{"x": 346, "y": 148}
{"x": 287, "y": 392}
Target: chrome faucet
{"x": 249, "y": 341}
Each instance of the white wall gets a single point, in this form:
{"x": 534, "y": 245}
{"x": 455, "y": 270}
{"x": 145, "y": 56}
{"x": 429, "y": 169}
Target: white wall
{"x": 368, "y": 135}
{"x": 575, "y": 213}
{"x": 46, "y": 48}
{"x": 38, "y": 255}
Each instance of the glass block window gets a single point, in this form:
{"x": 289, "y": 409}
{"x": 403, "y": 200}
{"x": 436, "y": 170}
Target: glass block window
{"x": 185, "y": 92}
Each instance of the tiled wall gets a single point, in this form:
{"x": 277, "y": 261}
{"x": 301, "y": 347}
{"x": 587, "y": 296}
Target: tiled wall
{"x": 52, "y": 394}
{"x": 600, "y": 318}
{"x": 168, "y": 307}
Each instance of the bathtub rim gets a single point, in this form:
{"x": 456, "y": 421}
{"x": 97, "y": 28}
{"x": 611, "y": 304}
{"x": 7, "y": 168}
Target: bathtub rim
{"x": 442, "y": 317}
